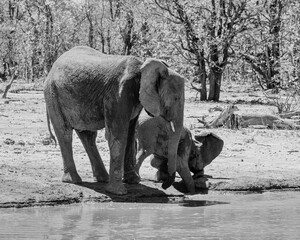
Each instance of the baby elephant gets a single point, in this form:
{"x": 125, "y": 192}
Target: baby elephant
{"x": 193, "y": 154}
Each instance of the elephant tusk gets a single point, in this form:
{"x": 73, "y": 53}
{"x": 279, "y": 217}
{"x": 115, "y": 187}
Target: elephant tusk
{"x": 172, "y": 126}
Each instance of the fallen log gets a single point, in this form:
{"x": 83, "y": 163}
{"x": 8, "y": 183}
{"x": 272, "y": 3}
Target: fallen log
{"x": 270, "y": 121}
{"x": 290, "y": 114}
{"x": 258, "y": 119}
{"x": 225, "y": 116}
{"x": 229, "y": 119}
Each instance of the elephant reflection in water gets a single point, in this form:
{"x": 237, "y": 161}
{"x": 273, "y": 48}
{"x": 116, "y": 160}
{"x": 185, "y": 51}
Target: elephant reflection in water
{"x": 86, "y": 91}
{"x": 193, "y": 154}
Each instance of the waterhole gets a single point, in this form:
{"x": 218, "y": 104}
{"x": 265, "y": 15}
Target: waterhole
{"x": 220, "y": 216}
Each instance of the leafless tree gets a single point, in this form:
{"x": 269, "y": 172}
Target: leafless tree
{"x": 222, "y": 21}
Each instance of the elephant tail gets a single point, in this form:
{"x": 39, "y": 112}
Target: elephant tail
{"x": 52, "y": 137}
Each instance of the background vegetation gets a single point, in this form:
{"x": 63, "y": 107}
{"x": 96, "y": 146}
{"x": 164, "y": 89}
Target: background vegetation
{"x": 207, "y": 41}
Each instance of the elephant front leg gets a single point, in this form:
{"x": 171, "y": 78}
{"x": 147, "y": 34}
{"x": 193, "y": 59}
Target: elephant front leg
{"x": 117, "y": 144}
{"x": 131, "y": 174}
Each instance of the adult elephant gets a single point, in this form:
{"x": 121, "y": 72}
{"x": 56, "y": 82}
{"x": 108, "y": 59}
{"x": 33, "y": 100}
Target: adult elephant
{"x": 87, "y": 91}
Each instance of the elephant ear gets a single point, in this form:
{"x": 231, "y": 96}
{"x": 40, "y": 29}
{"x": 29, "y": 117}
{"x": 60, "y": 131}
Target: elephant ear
{"x": 211, "y": 147}
{"x": 152, "y": 71}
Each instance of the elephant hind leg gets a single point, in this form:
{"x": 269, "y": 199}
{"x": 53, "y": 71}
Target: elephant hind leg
{"x": 88, "y": 139}
{"x": 63, "y": 132}
{"x": 65, "y": 142}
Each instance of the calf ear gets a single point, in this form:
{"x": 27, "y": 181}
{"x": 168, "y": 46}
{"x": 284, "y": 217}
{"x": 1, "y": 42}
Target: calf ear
{"x": 211, "y": 147}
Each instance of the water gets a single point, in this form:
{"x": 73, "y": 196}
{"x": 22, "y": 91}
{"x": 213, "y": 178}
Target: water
{"x": 256, "y": 216}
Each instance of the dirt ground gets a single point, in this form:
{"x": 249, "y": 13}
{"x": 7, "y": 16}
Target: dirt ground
{"x": 31, "y": 168}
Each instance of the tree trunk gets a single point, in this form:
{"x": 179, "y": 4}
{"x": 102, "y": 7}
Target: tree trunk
{"x": 215, "y": 77}
{"x": 127, "y": 34}
{"x": 218, "y": 79}
{"x": 108, "y": 38}
{"x": 49, "y": 59}
{"x": 267, "y": 62}
{"x": 215, "y": 73}
{"x": 91, "y": 34}
{"x": 33, "y": 58}
{"x": 8, "y": 86}
{"x": 13, "y": 10}
{"x": 275, "y": 14}
{"x": 203, "y": 76}
{"x": 102, "y": 42}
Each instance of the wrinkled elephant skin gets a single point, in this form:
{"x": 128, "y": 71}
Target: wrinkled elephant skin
{"x": 86, "y": 91}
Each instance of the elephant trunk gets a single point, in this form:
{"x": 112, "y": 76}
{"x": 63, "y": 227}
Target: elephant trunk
{"x": 172, "y": 154}
{"x": 175, "y": 128}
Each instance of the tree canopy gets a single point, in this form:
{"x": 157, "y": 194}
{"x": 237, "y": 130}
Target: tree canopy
{"x": 206, "y": 41}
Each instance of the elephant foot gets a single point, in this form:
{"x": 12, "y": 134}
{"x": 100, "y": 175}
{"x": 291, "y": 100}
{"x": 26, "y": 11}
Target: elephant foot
{"x": 116, "y": 188}
{"x": 132, "y": 177}
{"x": 198, "y": 174}
{"x": 191, "y": 189}
{"x": 71, "y": 177}
{"x": 168, "y": 182}
{"x": 101, "y": 179}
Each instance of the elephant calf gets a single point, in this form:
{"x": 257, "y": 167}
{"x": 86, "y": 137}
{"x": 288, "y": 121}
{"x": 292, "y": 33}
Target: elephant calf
{"x": 193, "y": 154}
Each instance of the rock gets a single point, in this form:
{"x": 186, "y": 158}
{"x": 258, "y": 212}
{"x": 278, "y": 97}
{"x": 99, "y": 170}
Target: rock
{"x": 21, "y": 142}
{"x": 46, "y": 141}
{"x": 9, "y": 141}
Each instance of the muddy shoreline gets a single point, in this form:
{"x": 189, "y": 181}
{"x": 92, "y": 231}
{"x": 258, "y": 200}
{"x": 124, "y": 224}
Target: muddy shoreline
{"x": 137, "y": 198}
{"x": 252, "y": 161}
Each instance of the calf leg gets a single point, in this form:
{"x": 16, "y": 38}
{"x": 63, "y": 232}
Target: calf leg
{"x": 141, "y": 156}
